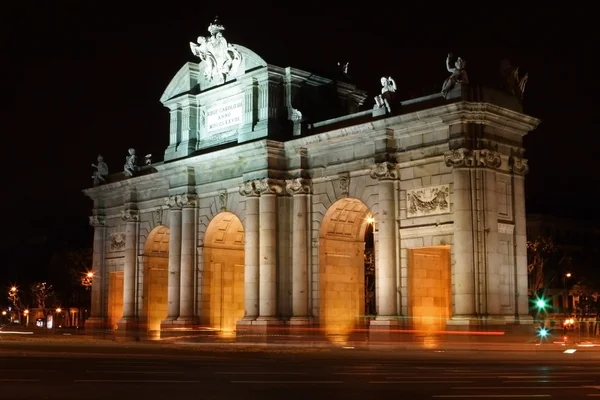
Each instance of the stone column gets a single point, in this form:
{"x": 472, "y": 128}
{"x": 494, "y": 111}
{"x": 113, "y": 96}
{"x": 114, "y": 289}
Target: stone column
{"x": 520, "y": 168}
{"x": 173, "y": 281}
{"x": 128, "y": 321}
{"x": 387, "y": 291}
{"x": 463, "y": 278}
{"x": 267, "y": 276}
{"x": 188, "y": 251}
{"x": 97, "y": 314}
{"x": 251, "y": 288}
{"x": 300, "y": 189}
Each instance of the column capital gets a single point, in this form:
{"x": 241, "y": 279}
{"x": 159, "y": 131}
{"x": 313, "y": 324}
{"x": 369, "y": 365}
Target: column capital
{"x": 464, "y": 157}
{"x": 130, "y": 215}
{"x": 519, "y": 166}
{"x": 97, "y": 221}
{"x": 248, "y": 189}
{"x": 269, "y": 186}
{"x": 298, "y": 186}
{"x": 177, "y": 201}
{"x": 384, "y": 171}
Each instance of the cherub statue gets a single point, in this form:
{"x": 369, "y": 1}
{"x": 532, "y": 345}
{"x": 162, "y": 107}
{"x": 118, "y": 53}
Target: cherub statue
{"x": 148, "y": 159}
{"x": 130, "y": 167}
{"x": 101, "y": 171}
{"x": 459, "y": 74}
{"x": 513, "y": 82}
{"x": 388, "y": 93}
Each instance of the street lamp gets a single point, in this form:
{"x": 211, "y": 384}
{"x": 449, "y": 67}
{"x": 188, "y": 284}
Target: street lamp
{"x": 26, "y": 313}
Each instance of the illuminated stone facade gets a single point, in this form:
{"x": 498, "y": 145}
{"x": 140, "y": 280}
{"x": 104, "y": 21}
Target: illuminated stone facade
{"x": 271, "y": 182}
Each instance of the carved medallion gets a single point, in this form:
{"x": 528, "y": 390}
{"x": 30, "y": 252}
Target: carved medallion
{"x": 519, "y": 166}
{"x": 117, "y": 241}
{"x": 130, "y": 215}
{"x": 384, "y": 170}
{"x": 248, "y": 189}
{"x": 427, "y": 201}
{"x": 269, "y": 186}
{"x": 471, "y": 158}
{"x": 97, "y": 221}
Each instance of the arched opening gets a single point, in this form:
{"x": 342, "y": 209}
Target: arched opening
{"x": 156, "y": 272}
{"x": 222, "y": 303}
{"x": 342, "y": 266}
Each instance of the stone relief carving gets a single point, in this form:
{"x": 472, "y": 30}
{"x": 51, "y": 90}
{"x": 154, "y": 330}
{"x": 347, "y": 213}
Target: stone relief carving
{"x": 223, "y": 200}
{"x": 427, "y": 201}
{"x": 473, "y": 158}
{"x": 388, "y": 93}
{"x": 97, "y": 221}
{"x": 181, "y": 200}
{"x": 130, "y": 215}
{"x": 117, "y": 241}
{"x": 269, "y": 186}
{"x": 512, "y": 81}
{"x": 130, "y": 167}
{"x": 298, "y": 186}
{"x": 148, "y": 159}
{"x": 459, "y": 74}
{"x": 384, "y": 170}
{"x": 101, "y": 172}
{"x": 518, "y": 165}
{"x": 221, "y": 58}
{"x": 345, "y": 184}
{"x": 249, "y": 189}
{"x": 506, "y": 228}
{"x": 157, "y": 217}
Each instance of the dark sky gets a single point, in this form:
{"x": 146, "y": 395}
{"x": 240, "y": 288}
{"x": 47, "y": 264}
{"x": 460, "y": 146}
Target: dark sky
{"x": 83, "y": 78}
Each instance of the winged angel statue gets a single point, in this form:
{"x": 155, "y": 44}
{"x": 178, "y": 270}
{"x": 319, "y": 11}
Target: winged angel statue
{"x": 221, "y": 58}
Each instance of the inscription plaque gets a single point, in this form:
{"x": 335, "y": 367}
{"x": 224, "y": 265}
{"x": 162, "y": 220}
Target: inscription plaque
{"x": 225, "y": 115}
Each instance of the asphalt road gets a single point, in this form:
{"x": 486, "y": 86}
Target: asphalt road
{"x": 64, "y": 371}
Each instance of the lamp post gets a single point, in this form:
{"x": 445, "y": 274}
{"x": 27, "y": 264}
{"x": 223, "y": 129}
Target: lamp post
{"x": 565, "y": 292}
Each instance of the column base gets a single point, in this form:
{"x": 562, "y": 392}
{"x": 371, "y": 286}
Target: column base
{"x": 128, "y": 330}
{"x": 186, "y": 321}
{"x": 385, "y": 328}
{"x": 301, "y": 321}
{"x": 261, "y": 329}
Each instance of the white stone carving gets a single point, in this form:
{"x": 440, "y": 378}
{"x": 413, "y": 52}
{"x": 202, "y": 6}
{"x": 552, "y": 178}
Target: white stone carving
{"x": 117, "y": 241}
{"x": 130, "y": 167}
{"x": 513, "y": 82}
{"x": 506, "y": 228}
{"x": 388, "y": 91}
{"x": 432, "y": 200}
{"x": 221, "y": 58}
{"x": 101, "y": 172}
{"x": 223, "y": 199}
{"x": 459, "y": 74}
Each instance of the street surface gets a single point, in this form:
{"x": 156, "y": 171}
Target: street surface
{"x": 129, "y": 371}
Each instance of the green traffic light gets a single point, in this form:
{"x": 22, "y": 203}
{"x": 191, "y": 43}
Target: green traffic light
{"x": 543, "y": 332}
{"x": 541, "y": 303}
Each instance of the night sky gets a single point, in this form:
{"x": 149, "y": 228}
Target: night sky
{"x": 79, "y": 80}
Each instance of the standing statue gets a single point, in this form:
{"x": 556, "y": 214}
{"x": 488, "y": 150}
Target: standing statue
{"x": 101, "y": 171}
{"x": 130, "y": 167}
{"x": 459, "y": 74}
{"x": 388, "y": 93}
{"x": 221, "y": 58}
{"x": 512, "y": 81}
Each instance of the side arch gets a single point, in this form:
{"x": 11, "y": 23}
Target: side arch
{"x": 222, "y": 275}
{"x": 155, "y": 278}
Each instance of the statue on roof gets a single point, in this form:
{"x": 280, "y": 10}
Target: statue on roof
{"x": 459, "y": 74}
{"x": 388, "y": 93}
{"x": 221, "y": 58}
{"x": 513, "y": 82}
{"x": 101, "y": 172}
{"x": 131, "y": 166}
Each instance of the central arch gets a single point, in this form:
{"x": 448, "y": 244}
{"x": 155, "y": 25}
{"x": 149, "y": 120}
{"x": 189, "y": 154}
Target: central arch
{"x": 222, "y": 303}
{"x": 342, "y": 266}
{"x": 155, "y": 283}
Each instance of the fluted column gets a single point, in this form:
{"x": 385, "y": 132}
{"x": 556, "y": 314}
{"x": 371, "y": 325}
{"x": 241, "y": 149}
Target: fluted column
{"x": 131, "y": 218}
{"x": 251, "y": 288}
{"x": 267, "y": 277}
{"x": 97, "y": 306}
{"x": 386, "y": 173}
{"x": 188, "y": 247}
{"x": 300, "y": 189}
{"x": 173, "y": 280}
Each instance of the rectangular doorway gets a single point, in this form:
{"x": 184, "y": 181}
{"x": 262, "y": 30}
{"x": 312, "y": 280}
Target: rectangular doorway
{"x": 429, "y": 287}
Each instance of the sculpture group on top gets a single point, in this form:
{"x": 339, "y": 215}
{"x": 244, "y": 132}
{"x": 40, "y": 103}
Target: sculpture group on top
{"x": 221, "y": 58}
{"x": 459, "y": 74}
{"x": 388, "y": 93}
{"x": 130, "y": 168}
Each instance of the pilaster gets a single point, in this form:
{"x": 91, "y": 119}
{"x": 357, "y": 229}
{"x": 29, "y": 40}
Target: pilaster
{"x": 128, "y": 324}
{"x": 174, "y": 204}
{"x": 188, "y": 252}
{"x": 96, "y": 323}
{"x": 249, "y": 190}
{"x": 300, "y": 189}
